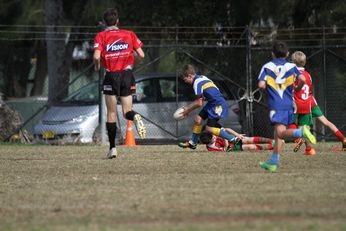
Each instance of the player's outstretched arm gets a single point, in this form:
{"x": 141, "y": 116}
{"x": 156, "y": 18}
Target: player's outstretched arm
{"x": 301, "y": 82}
{"x": 225, "y": 144}
{"x": 231, "y": 131}
{"x": 192, "y": 106}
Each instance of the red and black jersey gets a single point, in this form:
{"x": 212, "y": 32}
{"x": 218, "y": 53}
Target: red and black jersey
{"x": 303, "y": 98}
{"x": 116, "y": 48}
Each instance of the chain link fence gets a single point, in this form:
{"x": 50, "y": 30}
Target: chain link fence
{"x": 233, "y": 56}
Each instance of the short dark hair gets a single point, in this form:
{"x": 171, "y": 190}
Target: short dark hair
{"x": 205, "y": 137}
{"x": 111, "y": 16}
{"x": 280, "y": 49}
{"x": 186, "y": 70}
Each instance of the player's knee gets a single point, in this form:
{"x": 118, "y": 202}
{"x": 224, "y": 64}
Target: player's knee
{"x": 280, "y": 134}
{"x": 111, "y": 117}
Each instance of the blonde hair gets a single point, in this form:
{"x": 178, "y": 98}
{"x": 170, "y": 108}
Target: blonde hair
{"x": 299, "y": 58}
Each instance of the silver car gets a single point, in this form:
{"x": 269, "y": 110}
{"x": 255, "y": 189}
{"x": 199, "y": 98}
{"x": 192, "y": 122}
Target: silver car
{"x": 74, "y": 120}
{"x": 157, "y": 96}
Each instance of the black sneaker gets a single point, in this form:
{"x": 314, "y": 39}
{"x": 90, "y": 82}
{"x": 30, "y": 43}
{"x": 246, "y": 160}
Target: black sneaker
{"x": 234, "y": 140}
{"x": 187, "y": 144}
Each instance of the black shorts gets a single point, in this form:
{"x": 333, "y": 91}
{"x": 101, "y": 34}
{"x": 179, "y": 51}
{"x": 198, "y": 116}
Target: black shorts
{"x": 120, "y": 83}
{"x": 210, "y": 122}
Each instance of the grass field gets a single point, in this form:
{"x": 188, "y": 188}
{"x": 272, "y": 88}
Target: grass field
{"x": 162, "y": 187}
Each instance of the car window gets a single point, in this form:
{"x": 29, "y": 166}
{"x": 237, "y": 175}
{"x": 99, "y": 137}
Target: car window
{"x": 86, "y": 94}
{"x": 168, "y": 90}
{"x": 145, "y": 92}
{"x": 185, "y": 91}
{"x": 163, "y": 89}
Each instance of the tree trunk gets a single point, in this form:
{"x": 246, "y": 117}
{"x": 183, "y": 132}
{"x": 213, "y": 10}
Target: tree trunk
{"x": 41, "y": 69}
{"x": 58, "y": 74}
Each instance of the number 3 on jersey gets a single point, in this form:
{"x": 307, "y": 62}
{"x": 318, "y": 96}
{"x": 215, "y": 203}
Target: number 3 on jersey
{"x": 305, "y": 92}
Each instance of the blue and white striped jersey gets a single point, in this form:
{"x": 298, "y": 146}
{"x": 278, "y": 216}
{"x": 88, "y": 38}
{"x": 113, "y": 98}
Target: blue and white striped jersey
{"x": 279, "y": 75}
{"x": 206, "y": 88}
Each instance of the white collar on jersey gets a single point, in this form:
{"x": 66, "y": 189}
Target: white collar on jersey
{"x": 112, "y": 28}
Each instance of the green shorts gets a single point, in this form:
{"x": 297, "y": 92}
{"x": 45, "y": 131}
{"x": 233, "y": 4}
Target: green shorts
{"x": 237, "y": 147}
{"x": 316, "y": 111}
{"x": 303, "y": 119}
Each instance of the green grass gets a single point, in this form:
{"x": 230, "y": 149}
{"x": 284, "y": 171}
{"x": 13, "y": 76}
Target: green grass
{"x": 163, "y": 187}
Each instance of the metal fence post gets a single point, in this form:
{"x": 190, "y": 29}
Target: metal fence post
{"x": 323, "y": 130}
{"x": 102, "y": 121}
{"x": 249, "y": 95}
{"x": 176, "y": 76}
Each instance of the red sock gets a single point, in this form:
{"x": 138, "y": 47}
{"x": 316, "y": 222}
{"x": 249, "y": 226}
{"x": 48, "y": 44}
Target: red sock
{"x": 339, "y": 135}
{"x": 265, "y": 147}
{"x": 292, "y": 126}
{"x": 262, "y": 140}
{"x": 270, "y": 147}
{"x": 307, "y": 146}
{"x": 258, "y": 147}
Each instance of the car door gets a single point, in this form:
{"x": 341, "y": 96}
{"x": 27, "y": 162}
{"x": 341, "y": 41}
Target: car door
{"x": 148, "y": 103}
{"x": 170, "y": 98}
{"x": 156, "y": 100}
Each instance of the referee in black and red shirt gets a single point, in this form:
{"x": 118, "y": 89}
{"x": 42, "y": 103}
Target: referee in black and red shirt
{"x": 114, "y": 48}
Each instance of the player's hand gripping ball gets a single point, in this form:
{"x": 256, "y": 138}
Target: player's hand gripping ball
{"x": 178, "y": 114}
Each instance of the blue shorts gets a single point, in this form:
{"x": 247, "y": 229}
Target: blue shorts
{"x": 285, "y": 117}
{"x": 216, "y": 111}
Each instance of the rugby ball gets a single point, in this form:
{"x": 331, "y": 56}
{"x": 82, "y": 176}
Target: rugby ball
{"x": 177, "y": 114}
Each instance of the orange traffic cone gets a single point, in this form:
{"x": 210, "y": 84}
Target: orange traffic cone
{"x": 130, "y": 136}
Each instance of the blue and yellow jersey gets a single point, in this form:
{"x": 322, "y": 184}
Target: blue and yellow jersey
{"x": 207, "y": 89}
{"x": 279, "y": 75}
